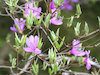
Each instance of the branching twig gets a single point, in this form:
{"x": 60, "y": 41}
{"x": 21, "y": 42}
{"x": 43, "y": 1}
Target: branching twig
{"x": 49, "y": 38}
{"x": 26, "y": 65}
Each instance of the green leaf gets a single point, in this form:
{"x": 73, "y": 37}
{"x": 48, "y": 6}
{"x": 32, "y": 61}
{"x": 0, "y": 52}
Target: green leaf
{"x": 47, "y": 20}
{"x": 57, "y": 34}
{"x": 57, "y": 45}
{"x": 16, "y": 37}
{"x": 70, "y": 21}
{"x": 78, "y": 11}
{"x": 41, "y": 19}
{"x": 29, "y": 20}
{"x": 17, "y": 28}
{"x": 17, "y": 44}
{"x": 36, "y": 4}
{"x": 13, "y": 62}
{"x": 64, "y": 60}
{"x": 61, "y": 43}
{"x": 53, "y": 36}
{"x": 50, "y": 71}
{"x": 44, "y": 66}
{"x": 80, "y": 60}
{"x": 23, "y": 39}
{"x": 35, "y": 68}
{"x": 36, "y": 21}
{"x": 52, "y": 55}
{"x": 68, "y": 62}
{"x": 99, "y": 21}
{"x": 10, "y": 58}
{"x": 58, "y": 13}
{"x": 77, "y": 29}
{"x": 86, "y": 29}
{"x": 58, "y": 2}
{"x": 15, "y": 2}
{"x": 55, "y": 67}
{"x": 40, "y": 43}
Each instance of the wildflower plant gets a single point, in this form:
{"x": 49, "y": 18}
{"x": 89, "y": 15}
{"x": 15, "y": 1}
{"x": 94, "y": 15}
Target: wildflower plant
{"x": 35, "y": 39}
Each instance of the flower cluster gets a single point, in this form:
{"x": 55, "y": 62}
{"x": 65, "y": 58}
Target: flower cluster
{"x": 54, "y": 19}
{"x": 33, "y": 15}
{"x": 18, "y": 25}
{"x": 32, "y": 43}
{"x": 77, "y": 51}
{"x": 34, "y": 10}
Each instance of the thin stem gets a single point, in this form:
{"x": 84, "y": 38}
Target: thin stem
{"x": 9, "y": 13}
{"x": 26, "y": 65}
{"x": 49, "y": 39}
{"x": 90, "y": 34}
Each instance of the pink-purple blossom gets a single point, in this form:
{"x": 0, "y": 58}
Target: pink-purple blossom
{"x": 52, "y": 5}
{"x": 76, "y": 1}
{"x": 18, "y": 25}
{"x": 32, "y": 43}
{"x": 66, "y": 4}
{"x": 76, "y": 49}
{"x": 29, "y": 8}
{"x": 87, "y": 60}
{"x": 54, "y": 19}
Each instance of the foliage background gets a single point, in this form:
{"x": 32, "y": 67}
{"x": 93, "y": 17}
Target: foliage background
{"x": 90, "y": 11}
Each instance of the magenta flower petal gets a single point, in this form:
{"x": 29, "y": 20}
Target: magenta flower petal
{"x": 56, "y": 21}
{"x": 20, "y": 25}
{"x": 67, "y": 6}
{"x": 52, "y": 5}
{"x": 76, "y": 43}
{"x": 76, "y": 1}
{"x": 76, "y": 50}
{"x": 77, "y": 53}
{"x": 28, "y": 49}
{"x": 29, "y": 43}
{"x": 31, "y": 39}
{"x": 13, "y": 29}
{"x": 88, "y": 66}
{"x": 37, "y": 51}
{"x": 36, "y": 41}
{"x": 32, "y": 43}
{"x": 28, "y": 8}
{"x": 35, "y": 11}
{"x": 88, "y": 61}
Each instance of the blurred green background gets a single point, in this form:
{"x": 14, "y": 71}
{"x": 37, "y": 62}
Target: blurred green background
{"x": 90, "y": 11}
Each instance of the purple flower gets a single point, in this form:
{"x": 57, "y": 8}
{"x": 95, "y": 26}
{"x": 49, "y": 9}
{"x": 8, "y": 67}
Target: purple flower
{"x": 54, "y": 19}
{"x": 76, "y": 50}
{"x": 52, "y": 5}
{"x": 19, "y": 24}
{"x": 76, "y": 1}
{"x": 35, "y": 11}
{"x": 28, "y": 8}
{"x": 32, "y": 43}
{"x": 66, "y": 4}
{"x": 13, "y": 29}
{"x": 87, "y": 60}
